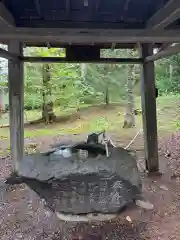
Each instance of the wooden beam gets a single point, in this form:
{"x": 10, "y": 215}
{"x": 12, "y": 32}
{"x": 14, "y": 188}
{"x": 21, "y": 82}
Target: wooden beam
{"x": 68, "y": 10}
{"x": 75, "y": 24}
{"x": 164, "y": 53}
{"x": 8, "y": 55}
{"x": 38, "y": 7}
{"x": 97, "y": 7}
{"x": 5, "y": 16}
{"x": 100, "y": 60}
{"x": 100, "y": 45}
{"x": 16, "y": 105}
{"x": 89, "y": 36}
{"x": 165, "y": 16}
{"x": 149, "y": 110}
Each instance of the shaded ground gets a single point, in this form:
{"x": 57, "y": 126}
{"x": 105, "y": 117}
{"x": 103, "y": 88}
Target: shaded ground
{"x": 24, "y": 216}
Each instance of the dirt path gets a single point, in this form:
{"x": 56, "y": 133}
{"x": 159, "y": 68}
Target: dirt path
{"x": 23, "y": 215}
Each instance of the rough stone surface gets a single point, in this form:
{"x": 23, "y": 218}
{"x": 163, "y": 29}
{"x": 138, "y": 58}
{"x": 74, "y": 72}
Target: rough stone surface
{"x": 96, "y": 184}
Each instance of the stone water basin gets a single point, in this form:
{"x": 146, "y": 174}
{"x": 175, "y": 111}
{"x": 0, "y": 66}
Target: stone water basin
{"x": 95, "y": 188}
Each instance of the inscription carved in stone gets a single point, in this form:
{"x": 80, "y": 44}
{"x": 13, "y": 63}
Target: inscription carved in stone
{"x": 75, "y": 191}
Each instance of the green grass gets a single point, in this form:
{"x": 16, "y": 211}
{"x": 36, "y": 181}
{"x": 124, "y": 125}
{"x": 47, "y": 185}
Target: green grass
{"x": 36, "y": 114}
{"x": 168, "y": 109}
{"x": 100, "y": 118}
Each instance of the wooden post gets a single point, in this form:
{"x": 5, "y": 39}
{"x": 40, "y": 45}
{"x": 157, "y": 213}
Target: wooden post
{"x": 16, "y": 104}
{"x": 149, "y": 110}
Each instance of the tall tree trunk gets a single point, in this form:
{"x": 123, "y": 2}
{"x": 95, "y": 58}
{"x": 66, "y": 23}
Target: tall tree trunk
{"x": 1, "y": 103}
{"x": 83, "y": 70}
{"x": 107, "y": 67}
{"x": 106, "y": 98}
{"x": 129, "y": 119}
{"x": 170, "y": 72}
{"x": 47, "y": 108}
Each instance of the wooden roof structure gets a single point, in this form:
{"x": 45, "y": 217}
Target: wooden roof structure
{"x": 89, "y": 22}
{"x": 84, "y": 27}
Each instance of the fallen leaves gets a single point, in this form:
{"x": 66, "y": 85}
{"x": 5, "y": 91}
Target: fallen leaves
{"x": 128, "y": 219}
{"x": 163, "y": 187}
{"x": 144, "y": 204}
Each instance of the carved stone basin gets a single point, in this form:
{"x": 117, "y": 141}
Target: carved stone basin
{"x": 75, "y": 186}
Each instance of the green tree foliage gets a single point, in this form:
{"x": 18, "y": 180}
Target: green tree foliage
{"x": 64, "y": 80}
{"x": 131, "y": 81}
{"x": 168, "y": 75}
{"x": 74, "y": 84}
{"x": 3, "y": 68}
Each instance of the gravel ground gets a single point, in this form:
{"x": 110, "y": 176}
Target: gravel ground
{"x": 24, "y": 216}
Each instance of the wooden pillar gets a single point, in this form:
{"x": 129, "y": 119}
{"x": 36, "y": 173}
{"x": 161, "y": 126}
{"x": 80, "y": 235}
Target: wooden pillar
{"x": 148, "y": 96}
{"x": 16, "y": 104}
